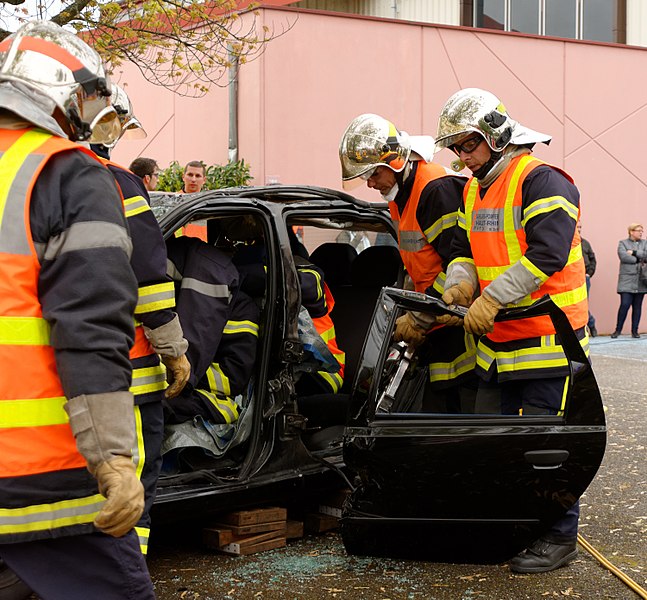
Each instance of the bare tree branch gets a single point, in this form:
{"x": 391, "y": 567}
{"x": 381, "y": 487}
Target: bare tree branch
{"x": 183, "y": 45}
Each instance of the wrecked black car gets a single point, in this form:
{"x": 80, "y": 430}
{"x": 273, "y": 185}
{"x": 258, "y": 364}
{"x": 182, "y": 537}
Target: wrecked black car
{"x": 441, "y": 486}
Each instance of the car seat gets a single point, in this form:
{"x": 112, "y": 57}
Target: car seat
{"x": 336, "y": 261}
{"x": 373, "y": 269}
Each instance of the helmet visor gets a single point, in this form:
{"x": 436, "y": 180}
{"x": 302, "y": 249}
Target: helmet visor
{"x": 133, "y": 130}
{"x": 106, "y": 127}
{"x": 362, "y": 153}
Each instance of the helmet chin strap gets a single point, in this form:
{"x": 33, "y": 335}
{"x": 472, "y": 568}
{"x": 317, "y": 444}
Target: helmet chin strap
{"x": 495, "y": 157}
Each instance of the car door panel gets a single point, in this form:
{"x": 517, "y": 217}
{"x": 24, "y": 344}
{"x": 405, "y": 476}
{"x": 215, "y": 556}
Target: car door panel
{"x": 470, "y": 488}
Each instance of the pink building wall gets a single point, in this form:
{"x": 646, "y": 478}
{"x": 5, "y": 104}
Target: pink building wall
{"x": 296, "y": 99}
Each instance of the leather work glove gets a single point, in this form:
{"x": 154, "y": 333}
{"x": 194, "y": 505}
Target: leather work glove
{"x": 480, "y": 316}
{"x": 460, "y": 294}
{"x": 124, "y": 494}
{"x": 409, "y": 331}
{"x": 180, "y": 370}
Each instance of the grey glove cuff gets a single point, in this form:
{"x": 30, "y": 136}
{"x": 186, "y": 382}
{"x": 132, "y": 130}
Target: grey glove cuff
{"x": 168, "y": 339}
{"x": 513, "y": 285}
{"x": 103, "y": 425}
{"x": 462, "y": 271}
{"x": 422, "y": 320}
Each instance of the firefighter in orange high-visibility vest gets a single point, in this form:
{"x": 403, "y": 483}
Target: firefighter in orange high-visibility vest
{"x": 69, "y": 492}
{"x": 423, "y": 198}
{"x": 517, "y": 241}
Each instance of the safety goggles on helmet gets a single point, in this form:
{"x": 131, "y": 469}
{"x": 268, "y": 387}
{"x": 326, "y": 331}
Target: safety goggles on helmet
{"x": 468, "y": 146}
{"x": 371, "y": 141}
{"x": 63, "y": 68}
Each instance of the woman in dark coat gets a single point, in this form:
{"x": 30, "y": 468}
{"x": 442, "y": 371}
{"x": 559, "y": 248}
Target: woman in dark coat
{"x": 631, "y": 252}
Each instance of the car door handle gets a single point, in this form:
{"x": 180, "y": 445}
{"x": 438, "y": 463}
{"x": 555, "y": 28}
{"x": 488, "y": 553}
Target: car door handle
{"x": 546, "y": 459}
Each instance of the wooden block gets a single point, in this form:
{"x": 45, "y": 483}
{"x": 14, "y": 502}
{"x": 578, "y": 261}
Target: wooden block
{"x": 236, "y": 549}
{"x": 213, "y": 537}
{"x": 294, "y": 530}
{"x": 254, "y": 528}
{"x": 252, "y": 517}
{"x": 318, "y": 522}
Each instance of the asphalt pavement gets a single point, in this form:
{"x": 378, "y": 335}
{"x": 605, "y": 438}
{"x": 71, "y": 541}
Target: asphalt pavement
{"x": 613, "y": 520}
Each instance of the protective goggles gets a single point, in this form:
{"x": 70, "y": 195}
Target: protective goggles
{"x": 467, "y": 146}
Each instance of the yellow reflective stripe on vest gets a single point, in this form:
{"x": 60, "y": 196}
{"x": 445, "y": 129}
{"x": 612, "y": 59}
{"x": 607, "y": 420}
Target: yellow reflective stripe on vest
{"x": 13, "y": 159}
{"x": 135, "y": 206}
{"x": 33, "y": 413}
{"x": 41, "y": 517}
{"x": 148, "y": 379}
{"x": 470, "y": 200}
{"x": 155, "y": 297}
{"x": 549, "y": 354}
{"x": 509, "y": 226}
{"x": 24, "y": 331}
{"x": 446, "y": 371}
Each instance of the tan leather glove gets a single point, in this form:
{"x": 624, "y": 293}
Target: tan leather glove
{"x": 124, "y": 496}
{"x": 407, "y": 330}
{"x": 480, "y": 316}
{"x": 460, "y": 294}
{"x": 180, "y": 371}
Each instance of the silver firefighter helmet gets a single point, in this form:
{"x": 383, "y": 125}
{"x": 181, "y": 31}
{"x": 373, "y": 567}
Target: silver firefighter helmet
{"x": 56, "y": 69}
{"x": 131, "y": 128}
{"x": 368, "y": 142}
{"x": 473, "y": 109}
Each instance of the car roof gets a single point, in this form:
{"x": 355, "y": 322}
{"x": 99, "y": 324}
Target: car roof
{"x": 164, "y": 203}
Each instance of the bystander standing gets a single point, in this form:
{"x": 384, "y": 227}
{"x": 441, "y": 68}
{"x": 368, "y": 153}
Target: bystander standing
{"x": 590, "y": 264}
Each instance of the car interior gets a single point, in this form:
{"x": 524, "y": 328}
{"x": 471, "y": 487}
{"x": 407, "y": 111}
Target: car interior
{"x": 355, "y": 269}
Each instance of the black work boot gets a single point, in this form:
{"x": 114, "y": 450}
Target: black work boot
{"x": 594, "y": 332}
{"x": 544, "y": 556}
{"x": 615, "y": 334}
{"x": 635, "y": 334}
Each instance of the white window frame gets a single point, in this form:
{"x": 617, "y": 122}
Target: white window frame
{"x": 541, "y": 7}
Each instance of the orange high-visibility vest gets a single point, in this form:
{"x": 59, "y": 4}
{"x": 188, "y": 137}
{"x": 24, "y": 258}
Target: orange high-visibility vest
{"x": 420, "y": 258}
{"x": 326, "y": 330}
{"x": 44, "y": 483}
{"x": 502, "y": 243}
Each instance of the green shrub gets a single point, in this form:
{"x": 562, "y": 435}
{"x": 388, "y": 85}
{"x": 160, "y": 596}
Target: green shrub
{"x": 233, "y": 174}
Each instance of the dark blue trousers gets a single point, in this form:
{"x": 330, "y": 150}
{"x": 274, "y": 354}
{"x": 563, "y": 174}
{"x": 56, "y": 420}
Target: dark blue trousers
{"x": 533, "y": 397}
{"x": 82, "y": 567}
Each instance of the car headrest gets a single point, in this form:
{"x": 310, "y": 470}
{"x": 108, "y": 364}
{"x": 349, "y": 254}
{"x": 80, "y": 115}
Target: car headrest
{"x": 377, "y": 266}
{"x": 335, "y": 260}
{"x": 250, "y": 261}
